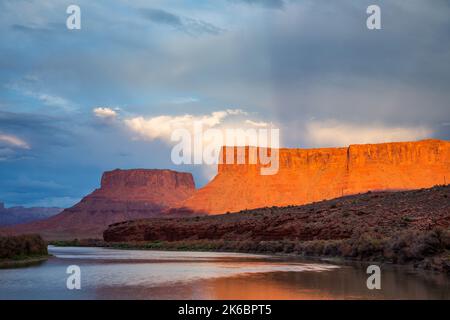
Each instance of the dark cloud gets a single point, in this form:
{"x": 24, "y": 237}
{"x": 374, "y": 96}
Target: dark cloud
{"x": 275, "y": 4}
{"x": 185, "y": 24}
{"x": 313, "y": 60}
{"x": 323, "y": 63}
{"x": 161, "y": 16}
{"x": 38, "y": 129}
{"x": 28, "y": 29}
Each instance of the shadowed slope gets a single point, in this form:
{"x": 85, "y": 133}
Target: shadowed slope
{"x": 373, "y": 214}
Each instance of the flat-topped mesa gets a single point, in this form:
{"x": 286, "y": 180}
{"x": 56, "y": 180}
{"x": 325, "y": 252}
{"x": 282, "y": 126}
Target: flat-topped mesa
{"x": 123, "y": 195}
{"x": 161, "y": 187}
{"x": 308, "y": 175}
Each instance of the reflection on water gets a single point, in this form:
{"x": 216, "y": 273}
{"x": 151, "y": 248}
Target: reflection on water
{"x": 135, "y": 274}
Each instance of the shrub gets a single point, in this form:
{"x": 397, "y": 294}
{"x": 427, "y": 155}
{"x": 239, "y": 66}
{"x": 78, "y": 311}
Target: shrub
{"x": 413, "y": 246}
{"x": 22, "y": 246}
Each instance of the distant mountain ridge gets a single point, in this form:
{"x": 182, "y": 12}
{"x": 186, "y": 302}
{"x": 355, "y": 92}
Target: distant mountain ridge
{"x": 16, "y": 215}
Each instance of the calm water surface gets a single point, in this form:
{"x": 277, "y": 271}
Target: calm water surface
{"x": 135, "y": 274}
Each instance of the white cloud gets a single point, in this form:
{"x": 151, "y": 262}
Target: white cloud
{"x": 52, "y": 100}
{"x": 337, "y": 134}
{"x": 25, "y": 87}
{"x": 229, "y": 127}
{"x": 105, "y": 113}
{"x": 161, "y": 127}
{"x": 14, "y": 141}
{"x": 184, "y": 100}
{"x": 257, "y": 123}
{"x": 235, "y": 112}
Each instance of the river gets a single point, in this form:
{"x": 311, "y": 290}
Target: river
{"x": 137, "y": 274}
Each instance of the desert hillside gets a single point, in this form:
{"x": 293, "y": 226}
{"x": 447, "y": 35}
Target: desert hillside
{"x": 373, "y": 214}
{"x": 405, "y": 226}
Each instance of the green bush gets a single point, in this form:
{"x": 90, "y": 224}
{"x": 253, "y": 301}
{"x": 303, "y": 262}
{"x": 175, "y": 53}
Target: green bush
{"x": 22, "y": 246}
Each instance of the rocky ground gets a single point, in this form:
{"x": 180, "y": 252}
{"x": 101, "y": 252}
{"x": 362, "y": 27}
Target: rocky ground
{"x": 401, "y": 227}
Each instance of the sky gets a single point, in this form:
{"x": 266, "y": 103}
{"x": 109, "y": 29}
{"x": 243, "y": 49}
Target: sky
{"x": 75, "y": 103}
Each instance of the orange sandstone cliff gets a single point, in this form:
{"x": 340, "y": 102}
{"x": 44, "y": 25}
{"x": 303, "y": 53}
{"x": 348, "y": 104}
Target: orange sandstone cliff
{"x": 308, "y": 175}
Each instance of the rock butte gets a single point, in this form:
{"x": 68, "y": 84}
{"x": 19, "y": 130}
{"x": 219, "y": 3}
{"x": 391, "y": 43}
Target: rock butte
{"x": 163, "y": 188}
{"x": 309, "y": 175}
{"x": 123, "y": 195}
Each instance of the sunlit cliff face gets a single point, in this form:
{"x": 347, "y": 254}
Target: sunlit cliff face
{"x": 307, "y": 175}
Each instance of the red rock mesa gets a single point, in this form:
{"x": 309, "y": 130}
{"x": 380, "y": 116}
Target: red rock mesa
{"x": 123, "y": 195}
{"x": 308, "y": 175}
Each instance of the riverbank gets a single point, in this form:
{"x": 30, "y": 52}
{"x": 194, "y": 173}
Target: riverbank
{"x": 22, "y": 262}
{"x": 22, "y": 251}
{"x": 426, "y": 251}
{"x": 177, "y": 275}
{"x": 404, "y": 227}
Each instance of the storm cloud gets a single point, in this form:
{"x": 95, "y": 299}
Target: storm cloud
{"x": 309, "y": 67}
